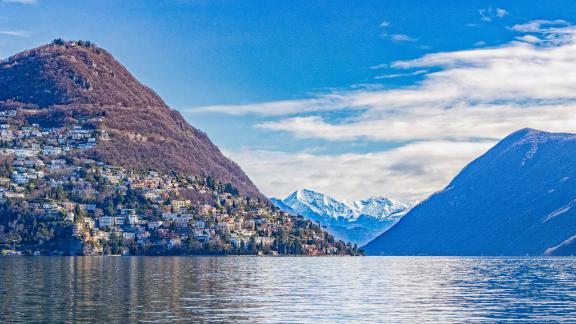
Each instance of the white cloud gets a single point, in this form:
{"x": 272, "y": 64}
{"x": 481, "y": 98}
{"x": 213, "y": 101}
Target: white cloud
{"x": 433, "y": 122}
{"x": 500, "y": 13}
{"x": 529, "y": 39}
{"x": 16, "y": 33}
{"x": 20, "y": 1}
{"x": 402, "y": 38}
{"x": 550, "y": 32}
{"x": 467, "y": 96}
{"x": 515, "y": 75}
{"x": 395, "y": 37}
{"x": 407, "y": 173}
{"x": 488, "y": 14}
{"x": 479, "y": 93}
{"x": 399, "y": 75}
{"x": 274, "y": 108}
{"x": 539, "y": 25}
{"x": 379, "y": 66}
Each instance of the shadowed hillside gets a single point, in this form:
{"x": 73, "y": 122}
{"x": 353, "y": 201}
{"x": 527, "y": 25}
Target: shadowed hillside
{"x": 516, "y": 199}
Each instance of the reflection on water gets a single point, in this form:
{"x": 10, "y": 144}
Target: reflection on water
{"x": 252, "y": 289}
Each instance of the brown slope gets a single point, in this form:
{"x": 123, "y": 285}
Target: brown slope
{"x": 65, "y": 81}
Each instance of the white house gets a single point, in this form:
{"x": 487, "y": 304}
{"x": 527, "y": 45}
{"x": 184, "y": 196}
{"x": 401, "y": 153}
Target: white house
{"x": 106, "y": 221}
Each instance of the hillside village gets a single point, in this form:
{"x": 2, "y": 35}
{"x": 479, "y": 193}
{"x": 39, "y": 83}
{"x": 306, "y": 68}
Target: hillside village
{"x": 55, "y": 202}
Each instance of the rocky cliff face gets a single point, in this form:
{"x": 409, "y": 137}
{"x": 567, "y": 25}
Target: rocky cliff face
{"x": 65, "y": 82}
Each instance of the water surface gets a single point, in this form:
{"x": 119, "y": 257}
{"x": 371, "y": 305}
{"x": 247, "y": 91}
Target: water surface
{"x": 299, "y": 289}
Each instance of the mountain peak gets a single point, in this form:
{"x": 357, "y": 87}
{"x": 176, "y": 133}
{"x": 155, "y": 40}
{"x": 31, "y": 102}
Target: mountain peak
{"x": 527, "y": 130}
{"x": 520, "y": 135}
{"x": 532, "y": 135}
{"x": 69, "y": 82}
{"x": 358, "y": 221}
{"x": 303, "y": 194}
{"x": 378, "y": 207}
{"x": 71, "y": 72}
{"x": 515, "y": 199}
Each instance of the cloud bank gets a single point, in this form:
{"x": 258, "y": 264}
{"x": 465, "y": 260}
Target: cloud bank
{"x": 488, "y": 14}
{"x": 15, "y": 33}
{"x": 406, "y": 173}
{"x": 20, "y": 1}
{"x": 471, "y": 99}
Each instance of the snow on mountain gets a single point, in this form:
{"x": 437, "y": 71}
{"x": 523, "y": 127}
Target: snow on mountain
{"x": 380, "y": 208}
{"x": 283, "y": 207}
{"x": 357, "y": 221}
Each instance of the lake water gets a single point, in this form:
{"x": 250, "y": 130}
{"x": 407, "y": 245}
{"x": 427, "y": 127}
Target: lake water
{"x": 299, "y": 289}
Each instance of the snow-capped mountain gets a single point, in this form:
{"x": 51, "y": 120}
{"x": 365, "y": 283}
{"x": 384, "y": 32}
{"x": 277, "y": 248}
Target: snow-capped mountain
{"x": 358, "y": 221}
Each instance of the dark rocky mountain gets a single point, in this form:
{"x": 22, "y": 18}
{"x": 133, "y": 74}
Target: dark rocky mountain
{"x": 65, "y": 82}
{"x": 516, "y": 199}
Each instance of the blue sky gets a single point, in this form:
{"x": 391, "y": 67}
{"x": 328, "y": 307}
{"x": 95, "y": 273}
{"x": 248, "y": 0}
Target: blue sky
{"x": 348, "y": 98}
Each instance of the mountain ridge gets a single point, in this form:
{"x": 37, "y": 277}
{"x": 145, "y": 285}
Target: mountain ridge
{"x": 66, "y": 80}
{"x": 356, "y": 221}
{"x": 499, "y": 204}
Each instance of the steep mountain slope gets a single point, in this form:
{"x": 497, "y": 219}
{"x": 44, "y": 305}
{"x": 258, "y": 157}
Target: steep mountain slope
{"x": 94, "y": 163}
{"x": 357, "y": 221}
{"x": 516, "y": 199}
{"x": 64, "y": 82}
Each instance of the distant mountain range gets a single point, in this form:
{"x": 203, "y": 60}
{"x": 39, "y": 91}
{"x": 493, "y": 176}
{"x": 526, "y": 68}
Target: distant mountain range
{"x": 516, "y": 199}
{"x": 358, "y": 221}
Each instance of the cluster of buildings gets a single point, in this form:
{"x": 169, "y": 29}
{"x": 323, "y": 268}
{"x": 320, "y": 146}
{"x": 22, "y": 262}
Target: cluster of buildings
{"x": 222, "y": 224}
{"x": 111, "y": 210}
{"x": 34, "y": 149}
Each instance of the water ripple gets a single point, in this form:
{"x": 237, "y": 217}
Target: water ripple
{"x": 287, "y": 290}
